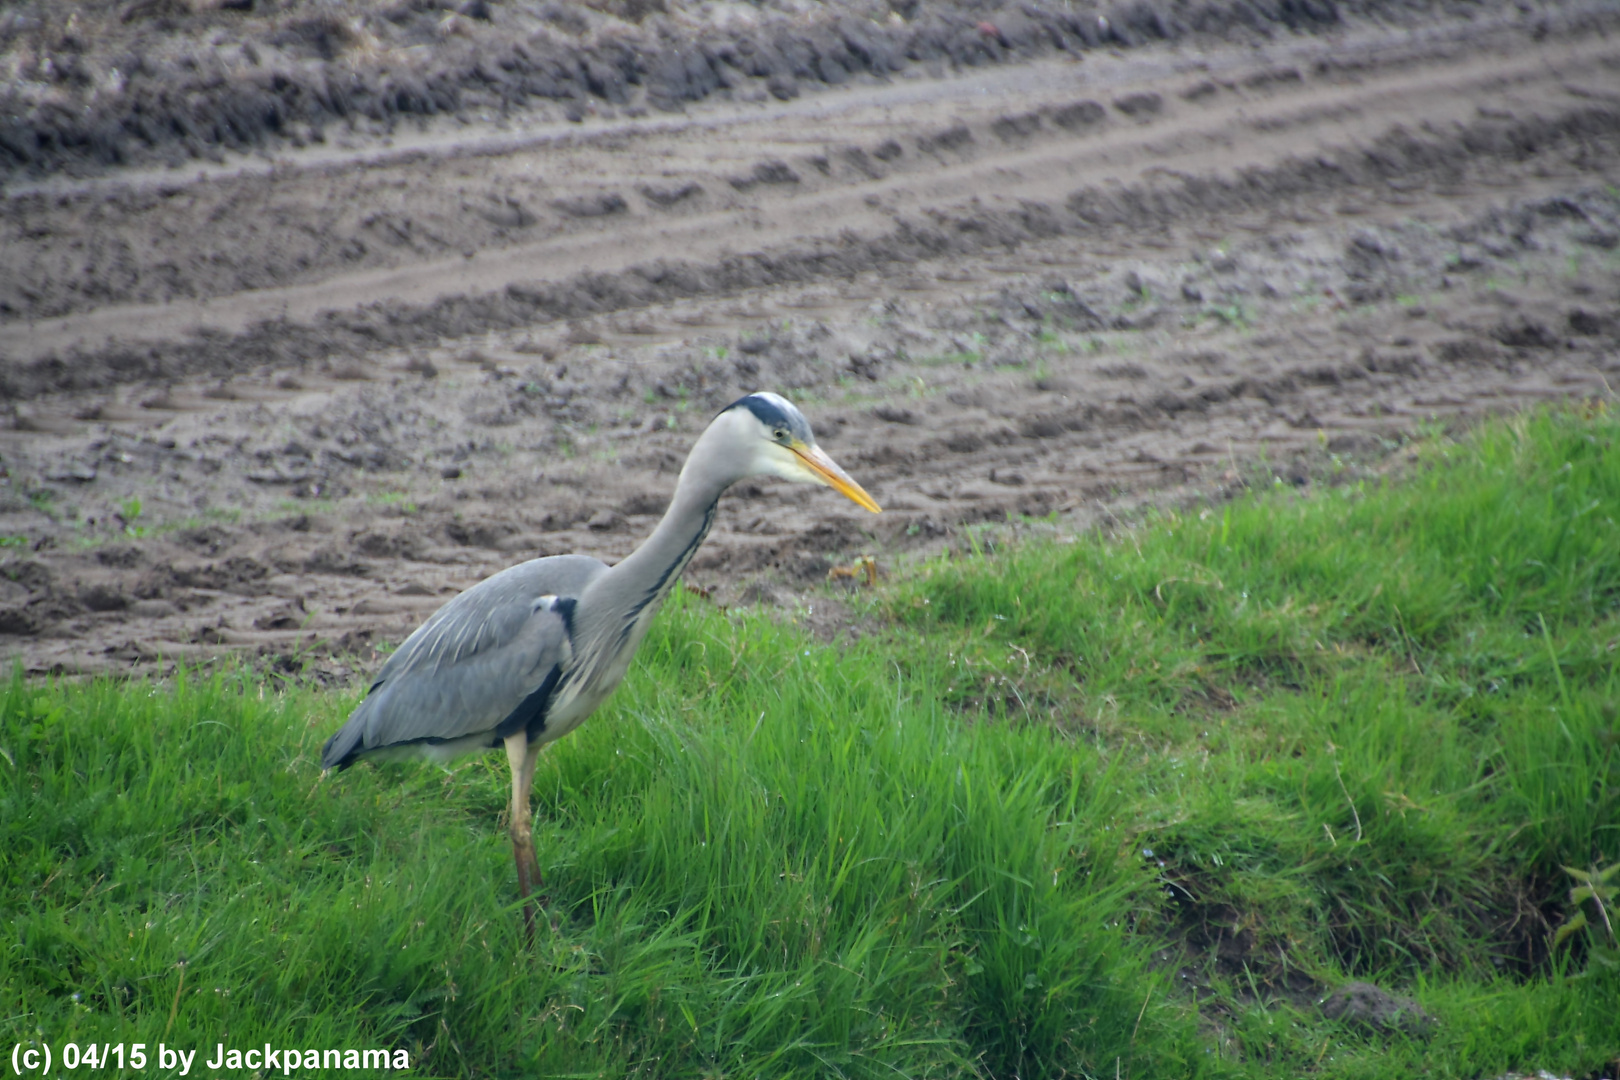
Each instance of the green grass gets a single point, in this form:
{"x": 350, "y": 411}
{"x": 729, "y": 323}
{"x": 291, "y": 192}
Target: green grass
{"x": 1368, "y": 726}
{"x": 771, "y": 859}
{"x": 1360, "y": 731}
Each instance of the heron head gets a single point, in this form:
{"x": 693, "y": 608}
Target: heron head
{"x": 777, "y": 441}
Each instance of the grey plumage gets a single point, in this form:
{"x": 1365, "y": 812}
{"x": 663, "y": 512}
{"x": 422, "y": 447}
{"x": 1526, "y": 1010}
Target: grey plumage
{"x": 471, "y": 666}
{"x": 523, "y": 657}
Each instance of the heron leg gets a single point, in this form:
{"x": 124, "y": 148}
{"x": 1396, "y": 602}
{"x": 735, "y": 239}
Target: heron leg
{"x": 522, "y": 758}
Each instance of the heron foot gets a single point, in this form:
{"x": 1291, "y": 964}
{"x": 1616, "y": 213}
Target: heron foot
{"x": 528, "y": 872}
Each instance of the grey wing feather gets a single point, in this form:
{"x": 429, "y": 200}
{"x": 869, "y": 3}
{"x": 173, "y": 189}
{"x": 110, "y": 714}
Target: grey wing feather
{"x": 472, "y": 663}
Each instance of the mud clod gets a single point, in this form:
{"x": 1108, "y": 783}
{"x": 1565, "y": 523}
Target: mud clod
{"x": 766, "y": 172}
{"x": 894, "y": 414}
{"x": 1369, "y": 1006}
{"x": 103, "y": 598}
{"x": 1014, "y": 128}
{"x": 592, "y": 206}
{"x": 1140, "y": 106}
{"x": 955, "y": 138}
{"x": 664, "y": 197}
{"x": 1526, "y": 333}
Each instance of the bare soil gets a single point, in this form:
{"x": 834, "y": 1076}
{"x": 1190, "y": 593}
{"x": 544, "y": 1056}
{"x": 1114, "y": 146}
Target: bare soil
{"x": 102, "y": 84}
{"x": 286, "y": 403}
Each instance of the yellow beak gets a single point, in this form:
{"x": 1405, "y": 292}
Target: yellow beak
{"x": 827, "y": 471}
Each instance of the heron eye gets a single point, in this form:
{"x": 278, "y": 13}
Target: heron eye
{"x": 780, "y": 435}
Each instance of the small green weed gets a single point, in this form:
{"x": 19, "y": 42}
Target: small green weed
{"x": 1235, "y": 314}
{"x": 129, "y": 513}
{"x": 1599, "y": 890}
{"x": 398, "y": 499}
{"x": 43, "y": 499}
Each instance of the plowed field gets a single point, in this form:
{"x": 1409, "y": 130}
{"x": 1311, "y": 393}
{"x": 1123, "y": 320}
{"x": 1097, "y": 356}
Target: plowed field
{"x": 283, "y": 393}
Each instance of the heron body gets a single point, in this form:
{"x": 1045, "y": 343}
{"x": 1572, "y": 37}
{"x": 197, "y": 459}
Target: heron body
{"x": 525, "y": 656}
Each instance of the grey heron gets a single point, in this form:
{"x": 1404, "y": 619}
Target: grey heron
{"x": 523, "y": 657}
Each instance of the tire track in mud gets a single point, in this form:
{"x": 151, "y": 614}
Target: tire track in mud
{"x": 993, "y": 182}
